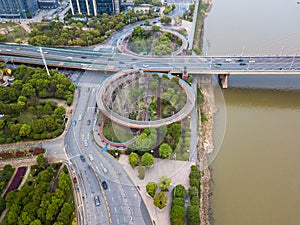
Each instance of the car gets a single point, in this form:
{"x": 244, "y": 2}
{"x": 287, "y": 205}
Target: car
{"x": 79, "y": 117}
{"x": 243, "y": 64}
{"x": 145, "y": 65}
{"x": 217, "y": 65}
{"x": 82, "y": 158}
{"x": 45, "y": 52}
{"x": 104, "y": 185}
{"x": 8, "y": 50}
{"x": 97, "y": 200}
{"x": 88, "y": 89}
{"x": 251, "y": 61}
{"x": 85, "y": 143}
{"x": 74, "y": 123}
{"x": 228, "y": 60}
{"x": 88, "y": 122}
{"x": 83, "y": 57}
{"x": 240, "y": 60}
{"x": 91, "y": 157}
{"x": 18, "y": 48}
{"x": 77, "y": 188}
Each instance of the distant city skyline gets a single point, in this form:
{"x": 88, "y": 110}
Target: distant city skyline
{"x": 95, "y": 7}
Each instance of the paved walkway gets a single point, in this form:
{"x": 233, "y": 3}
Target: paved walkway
{"x": 178, "y": 171}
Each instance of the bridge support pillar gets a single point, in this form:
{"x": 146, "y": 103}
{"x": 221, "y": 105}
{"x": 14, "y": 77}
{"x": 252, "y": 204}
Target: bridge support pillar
{"x": 223, "y": 80}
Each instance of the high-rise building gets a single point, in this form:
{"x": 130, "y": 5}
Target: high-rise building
{"x": 47, "y": 4}
{"x": 95, "y": 7}
{"x": 18, "y": 9}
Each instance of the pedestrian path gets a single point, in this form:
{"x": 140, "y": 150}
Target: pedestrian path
{"x": 178, "y": 171}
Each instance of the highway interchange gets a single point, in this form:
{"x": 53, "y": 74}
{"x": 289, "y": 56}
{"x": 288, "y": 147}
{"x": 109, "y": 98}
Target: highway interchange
{"x": 121, "y": 202}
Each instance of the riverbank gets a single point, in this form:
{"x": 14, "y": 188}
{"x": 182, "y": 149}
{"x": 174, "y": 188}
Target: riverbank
{"x": 202, "y": 12}
{"x": 206, "y": 111}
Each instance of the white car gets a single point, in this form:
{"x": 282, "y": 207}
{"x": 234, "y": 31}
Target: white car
{"x": 145, "y": 65}
{"x": 228, "y": 60}
{"x": 79, "y": 117}
{"x": 252, "y": 61}
{"x": 85, "y": 143}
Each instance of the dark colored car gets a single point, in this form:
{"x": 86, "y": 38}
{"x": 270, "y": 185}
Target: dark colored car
{"x": 82, "y": 158}
{"x": 88, "y": 122}
{"x": 83, "y": 57}
{"x": 104, "y": 185}
{"x": 243, "y": 64}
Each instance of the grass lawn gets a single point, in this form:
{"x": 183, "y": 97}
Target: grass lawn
{"x": 26, "y": 116}
{"x": 117, "y": 133}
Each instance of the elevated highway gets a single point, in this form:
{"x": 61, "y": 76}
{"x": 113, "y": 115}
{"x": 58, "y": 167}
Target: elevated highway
{"x": 114, "y": 62}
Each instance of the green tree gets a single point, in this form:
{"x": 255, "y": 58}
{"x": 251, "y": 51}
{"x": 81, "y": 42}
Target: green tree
{"x": 64, "y": 182}
{"x": 155, "y": 28}
{"x": 177, "y": 214}
{"x": 193, "y": 217}
{"x": 179, "y": 191}
{"x": 133, "y": 159}
{"x": 193, "y": 191}
{"x": 42, "y": 161}
{"x": 151, "y": 188}
{"x": 36, "y": 222}
{"x": 160, "y": 200}
{"x": 164, "y": 183}
{"x": 178, "y": 201}
{"x": 165, "y": 150}
{"x": 147, "y": 159}
{"x": 25, "y": 130}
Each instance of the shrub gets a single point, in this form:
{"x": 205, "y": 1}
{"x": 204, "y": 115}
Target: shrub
{"x": 160, "y": 200}
{"x": 179, "y": 191}
{"x": 193, "y": 192}
{"x": 151, "y": 188}
{"x": 178, "y": 201}
{"x": 177, "y": 214}
{"x": 164, "y": 183}
{"x": 133, "y": 159}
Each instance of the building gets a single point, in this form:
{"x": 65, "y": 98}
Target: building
{"x": 95, "y": 7}
{"x": 18, "y": 9}
{"x": 48, "y": 4}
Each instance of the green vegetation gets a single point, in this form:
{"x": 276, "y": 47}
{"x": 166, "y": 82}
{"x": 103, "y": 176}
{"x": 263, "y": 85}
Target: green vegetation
{"x": 164, "y": 183}
{"x": 147, "y": 160}
{"x": 116, "y": 133}
{"x": 166, "y": 20}
{"x": 153, "y": 42}
{"x": 160, "y": 200}
{"x": 76, "y": 33}
{"x": 188, "y": 15}
{"x": 177, "y": 212}
{"x": 5, "y": 176}
{"x": 12, "y": 32}
{"x": 151, "y": 188}
{"x": 200, "y": 100}
{"x": 133, "y": 159}
{"x": 26, "y": 115}
{"x": 169, "y": 9}
{"x": 42, "y": 200}
{"x": 151, "y": 2}
{"x": 165, "y": 150}
{"x": 193, "y": 216}
{"x": 198, "y": 35}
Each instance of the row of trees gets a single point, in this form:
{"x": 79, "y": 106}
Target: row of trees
{"x": 39, "y": 203}
{"x": 177, "y": 212}
{"x": 26, "y": 115}
{"x": 77, "y": 33}
{"x": 193, "y": 210}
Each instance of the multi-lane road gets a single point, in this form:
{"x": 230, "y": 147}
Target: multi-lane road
{"x": 103, "y": 61}
{"x": 120, "y": 203}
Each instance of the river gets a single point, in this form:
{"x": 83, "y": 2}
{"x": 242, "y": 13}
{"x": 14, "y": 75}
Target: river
{"x": 256, "y": 171}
